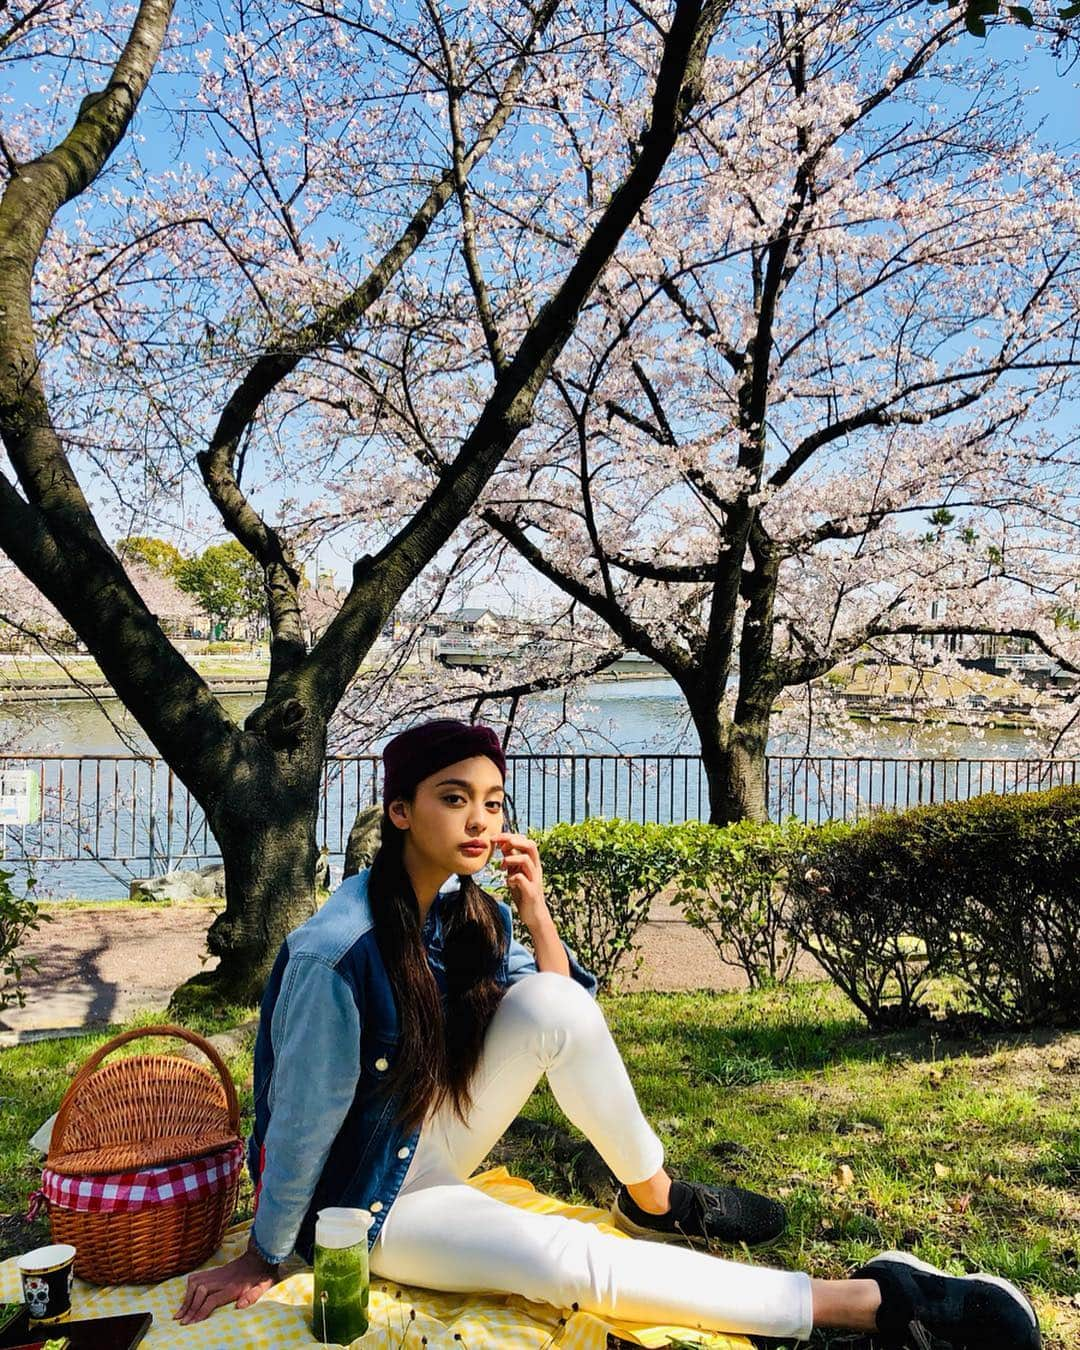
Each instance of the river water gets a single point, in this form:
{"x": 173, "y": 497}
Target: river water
{"x": 106, "y": 822}
{"x": 630, "y": 716}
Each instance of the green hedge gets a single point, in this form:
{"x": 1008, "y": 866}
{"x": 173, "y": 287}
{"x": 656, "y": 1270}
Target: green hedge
{"x": 985, "y": 891}
{"x": 732, "y": 885}
{"x": 600, "y": 877}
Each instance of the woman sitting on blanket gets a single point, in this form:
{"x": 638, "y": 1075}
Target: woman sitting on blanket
{"x": 402, "y": 1030}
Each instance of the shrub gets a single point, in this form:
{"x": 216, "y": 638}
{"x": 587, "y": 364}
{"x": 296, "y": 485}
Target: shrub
{"x": 1006, "y": 901}
{"x": 19, "y": 916}
{"x": 984, "y": 890}
{"x": 733, "y": 886}
{"x": 854, "y": 908}
{"x": 600, "y": 877}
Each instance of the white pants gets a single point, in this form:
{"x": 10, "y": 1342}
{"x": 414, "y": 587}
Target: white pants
{"x": 443, "y": 1234}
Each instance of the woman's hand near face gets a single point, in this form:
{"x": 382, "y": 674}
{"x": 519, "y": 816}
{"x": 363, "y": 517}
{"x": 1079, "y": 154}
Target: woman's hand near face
{"x": 520, "y": 865}
{"x": 525, "y": 882}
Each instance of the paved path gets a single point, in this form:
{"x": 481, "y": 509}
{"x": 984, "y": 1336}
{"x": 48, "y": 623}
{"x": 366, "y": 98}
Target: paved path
{"x": 101, "y": 965}
{"x": 97, "y": 966}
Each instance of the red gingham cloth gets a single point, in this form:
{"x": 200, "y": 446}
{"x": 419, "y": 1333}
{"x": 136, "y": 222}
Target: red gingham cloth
{"x": 177, "y": 1184}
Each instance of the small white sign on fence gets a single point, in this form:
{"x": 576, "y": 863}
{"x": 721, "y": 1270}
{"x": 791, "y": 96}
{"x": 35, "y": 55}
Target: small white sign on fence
{"x": 20, "y": 796}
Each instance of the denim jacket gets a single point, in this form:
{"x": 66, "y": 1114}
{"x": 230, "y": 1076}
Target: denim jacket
{"x": 328, "y": 1032}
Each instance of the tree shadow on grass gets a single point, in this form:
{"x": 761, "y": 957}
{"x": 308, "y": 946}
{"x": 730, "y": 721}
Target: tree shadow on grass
{"x": 739, "y": 1054}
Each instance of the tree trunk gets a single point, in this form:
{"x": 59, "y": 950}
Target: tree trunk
{"x": 740, "y": 781}
{"x": 737, "y": 778}
{"x": 265, "y": 825}
{"x": 270, "y": 889}
{"x": 733, "y": 756}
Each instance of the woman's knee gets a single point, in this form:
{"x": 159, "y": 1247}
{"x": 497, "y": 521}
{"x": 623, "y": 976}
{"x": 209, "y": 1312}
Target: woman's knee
{"x": 549, "y": 1001}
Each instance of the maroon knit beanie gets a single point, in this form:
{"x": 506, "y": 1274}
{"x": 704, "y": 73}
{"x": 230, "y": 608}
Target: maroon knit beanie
{"x": 425, "y": 749}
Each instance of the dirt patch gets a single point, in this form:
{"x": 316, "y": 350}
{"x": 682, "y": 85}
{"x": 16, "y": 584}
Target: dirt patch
{"x": 676, "y": 957}
{"x": 1044, "y": 1055}
{"x": 100, "y": 965}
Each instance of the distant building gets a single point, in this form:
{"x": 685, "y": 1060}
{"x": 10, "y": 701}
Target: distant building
{"x": 467, "y": 622}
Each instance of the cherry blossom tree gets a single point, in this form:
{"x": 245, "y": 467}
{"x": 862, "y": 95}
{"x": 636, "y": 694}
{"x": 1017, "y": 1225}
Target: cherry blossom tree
{"x": 28, "y": 620}
{"x": 856, "y": 312}
{"x": 223, "y": 283}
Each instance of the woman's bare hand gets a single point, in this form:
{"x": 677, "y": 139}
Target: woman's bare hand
{"x": 242, "y": 1281}
{"x": 524, "y": 877}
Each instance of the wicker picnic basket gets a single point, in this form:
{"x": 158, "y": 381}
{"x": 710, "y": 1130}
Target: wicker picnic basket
{"x": 143, "y": 1113}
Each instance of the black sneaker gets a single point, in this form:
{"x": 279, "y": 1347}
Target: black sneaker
{"x": 923, "y": 1308}
{"x": 701, "y": 1215}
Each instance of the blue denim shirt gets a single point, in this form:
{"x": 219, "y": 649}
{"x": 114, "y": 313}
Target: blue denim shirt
{"x": 328, "y": 1031}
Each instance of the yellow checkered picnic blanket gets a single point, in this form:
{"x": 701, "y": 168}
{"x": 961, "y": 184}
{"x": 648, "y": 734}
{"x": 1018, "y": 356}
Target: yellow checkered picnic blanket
{"x": 400, "y": 1317}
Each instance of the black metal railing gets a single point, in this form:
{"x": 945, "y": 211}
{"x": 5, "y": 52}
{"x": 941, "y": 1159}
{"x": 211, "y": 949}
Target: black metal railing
{"x": 134, "y": 812}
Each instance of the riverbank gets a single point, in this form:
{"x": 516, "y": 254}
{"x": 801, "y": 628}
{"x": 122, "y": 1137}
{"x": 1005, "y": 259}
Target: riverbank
{"x": 903, "y": 698}
{"x": 36, "y": 675}
{"x": 84, "y": 683}
{"x": 39, "y": 679}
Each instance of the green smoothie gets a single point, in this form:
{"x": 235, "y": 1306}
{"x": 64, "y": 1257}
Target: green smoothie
{"x": 339, "y": 1309}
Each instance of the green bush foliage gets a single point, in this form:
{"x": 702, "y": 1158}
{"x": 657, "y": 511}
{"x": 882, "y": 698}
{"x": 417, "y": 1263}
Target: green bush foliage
{"x": 1005, "y": 901}
{"x": 856, "y": 905}
{"x": 600, "y": 877}
{"x": 732, "y": 885}
{"x": 19, "y": 917}
{"x": 985, "y": 891}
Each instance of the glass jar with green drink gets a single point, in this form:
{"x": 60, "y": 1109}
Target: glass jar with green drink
{"x": 339, "y": 1312}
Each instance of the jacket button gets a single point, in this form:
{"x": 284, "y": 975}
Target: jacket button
{"x": 375, "y": 1206}
{"x": 403, "y": 1152}
{"x": 382, "y": 1065}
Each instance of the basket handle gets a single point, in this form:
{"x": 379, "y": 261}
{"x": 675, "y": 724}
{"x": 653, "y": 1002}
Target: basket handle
{"x": 135, "y": 1034}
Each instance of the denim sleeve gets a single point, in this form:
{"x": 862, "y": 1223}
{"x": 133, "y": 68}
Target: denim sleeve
{"x": 521, "y": 962}
{"x": 315, "y": 1033}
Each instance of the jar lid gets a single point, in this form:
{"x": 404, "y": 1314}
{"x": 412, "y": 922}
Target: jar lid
{"x": 340, "y": 1226}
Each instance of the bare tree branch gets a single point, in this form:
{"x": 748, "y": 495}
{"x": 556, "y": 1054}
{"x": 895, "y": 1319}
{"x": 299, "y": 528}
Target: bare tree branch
{"x": 217, "y": 462}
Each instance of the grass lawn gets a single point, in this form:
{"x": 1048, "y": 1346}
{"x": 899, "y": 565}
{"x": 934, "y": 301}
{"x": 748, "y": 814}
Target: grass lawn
{"x": 966, "y": 1152}
{"x": 906, "y": 682}
{"x": 16, "y": 672}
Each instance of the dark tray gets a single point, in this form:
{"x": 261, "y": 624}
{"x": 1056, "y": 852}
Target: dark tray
{"x": 14, "y": 1326}
{"x": 96, "y": 1333}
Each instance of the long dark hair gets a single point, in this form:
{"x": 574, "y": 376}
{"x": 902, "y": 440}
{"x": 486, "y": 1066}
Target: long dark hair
{"x": 437, "y": 1053}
